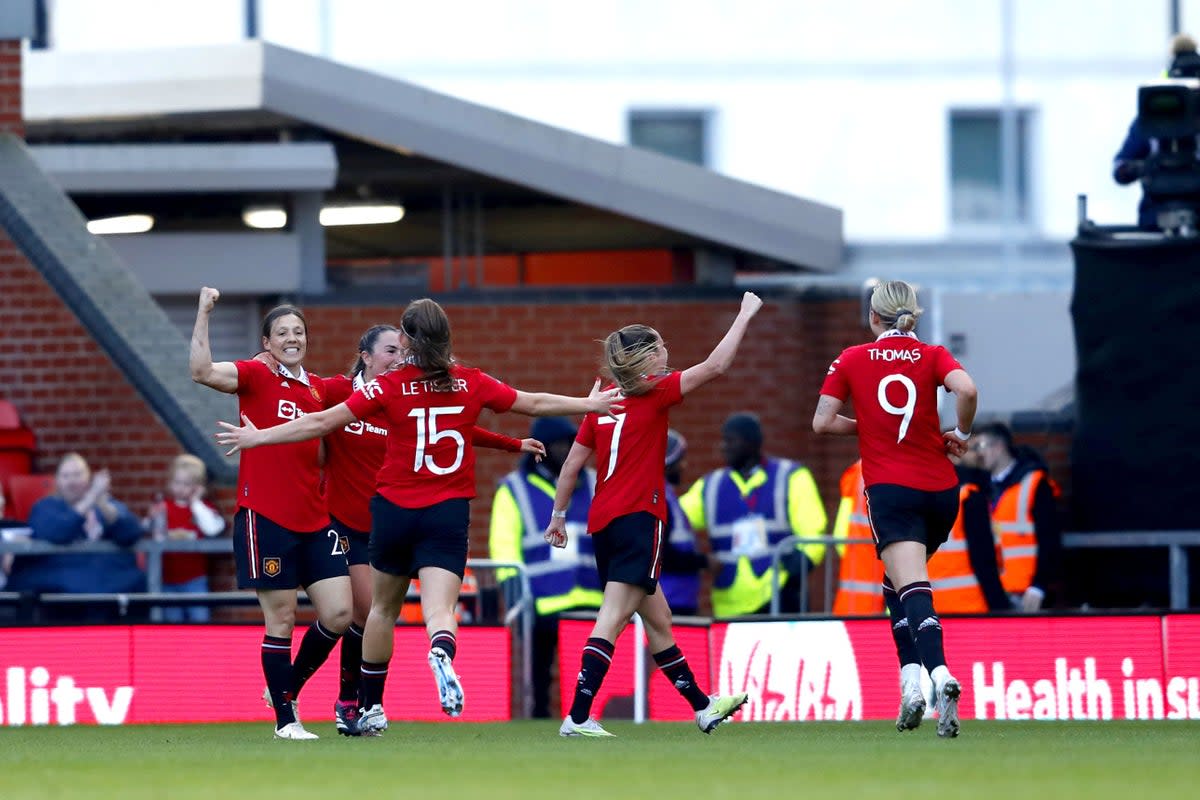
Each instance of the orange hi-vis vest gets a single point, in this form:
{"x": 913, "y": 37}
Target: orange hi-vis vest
{"x": 860, "y": 577}
{"x": 1013, "y": 518}
{"x": 955, "y": 588}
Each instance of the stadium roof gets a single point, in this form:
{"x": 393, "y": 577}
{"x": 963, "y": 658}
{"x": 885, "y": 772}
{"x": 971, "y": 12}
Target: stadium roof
{"x": 517, "y": 184}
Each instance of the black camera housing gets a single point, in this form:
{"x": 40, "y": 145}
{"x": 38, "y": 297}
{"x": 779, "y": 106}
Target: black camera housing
{"x": 1169, "y": 114}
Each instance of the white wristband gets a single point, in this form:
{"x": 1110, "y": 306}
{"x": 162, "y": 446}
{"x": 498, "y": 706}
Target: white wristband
{"x": 558, "y": 514}
{"x": 962, "y": 436}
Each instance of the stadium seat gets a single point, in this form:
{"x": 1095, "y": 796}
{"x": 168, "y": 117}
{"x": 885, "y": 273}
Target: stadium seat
{"x": 25, "y": 490}
{"x": 9, "y": 418}
{"x": 17, "y": 443}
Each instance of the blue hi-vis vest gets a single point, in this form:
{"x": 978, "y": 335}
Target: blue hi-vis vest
{"x": 681, "y": 590}
{"x": 555, "y": 572}
{"x": 743, "y": 532}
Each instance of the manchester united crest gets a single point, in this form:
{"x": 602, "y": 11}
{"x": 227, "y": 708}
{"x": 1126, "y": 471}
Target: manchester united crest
{"x": 316, "y": 395}
{"x": 271, "y": 567}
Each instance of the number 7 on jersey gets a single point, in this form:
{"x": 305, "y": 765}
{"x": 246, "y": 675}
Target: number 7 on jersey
{"x": 619, "y": 421}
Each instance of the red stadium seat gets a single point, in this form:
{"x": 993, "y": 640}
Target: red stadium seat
{"x": 17, "y": 443}
{"x": 25, "y": 490}
{"x": 9, "y": 418}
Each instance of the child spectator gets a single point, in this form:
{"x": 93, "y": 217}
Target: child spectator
{"x": 185, "y": 515}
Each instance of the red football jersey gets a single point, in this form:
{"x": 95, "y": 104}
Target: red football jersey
{"x": 282, "y": 482}
{"x": 631, "y": 449}
{"x": 893, "y": 385}
{"x": 429, "y": 455}
{"x": 354, "y": 455}
{"x": 183, "y": 567}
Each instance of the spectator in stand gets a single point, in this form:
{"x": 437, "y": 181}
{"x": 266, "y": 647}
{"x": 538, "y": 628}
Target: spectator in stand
{"x": 281, "y": 536}
{"x": 81, "y": 510}
{"x": 184, "y": 515}
{"x": 748, "y": 507}
{"x": 683, "y": 561}
{"x": 1025, "y": 513}
{"x": 561, "y": 580}
{"x": 421, "y": 512}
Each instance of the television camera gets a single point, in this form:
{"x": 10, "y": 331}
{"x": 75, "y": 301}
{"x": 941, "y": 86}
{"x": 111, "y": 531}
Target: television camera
{"x": 1169, "y": 115}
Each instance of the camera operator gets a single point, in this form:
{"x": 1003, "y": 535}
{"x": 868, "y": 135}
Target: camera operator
{"x": 1129, "y": 164}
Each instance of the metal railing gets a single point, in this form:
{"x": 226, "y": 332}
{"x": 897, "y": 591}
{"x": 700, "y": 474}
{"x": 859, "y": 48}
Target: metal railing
{"x": 1174, "y": 541}
{"x": 17, "y": 543}
{"x": 787, "y": 545}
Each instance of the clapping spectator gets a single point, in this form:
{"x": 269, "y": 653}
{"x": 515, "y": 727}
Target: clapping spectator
{"x": 80, "y": 510}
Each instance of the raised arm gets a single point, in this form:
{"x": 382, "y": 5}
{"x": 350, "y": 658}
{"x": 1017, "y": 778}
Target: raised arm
{"x": 828, "y": 420}
{"x": 556, "y": 531}
{"x": 221, "y": 376}
{"x": 542, "y": 404}
{"x": 309, "y": 426}
{"x": 721, "y": 358}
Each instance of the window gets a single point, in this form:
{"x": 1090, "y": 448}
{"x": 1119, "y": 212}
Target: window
{"x": 976, "y": 171}
{"x": 679, "y": 134}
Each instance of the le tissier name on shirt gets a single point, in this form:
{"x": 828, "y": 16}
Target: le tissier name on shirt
{"x": 413, "y": 388}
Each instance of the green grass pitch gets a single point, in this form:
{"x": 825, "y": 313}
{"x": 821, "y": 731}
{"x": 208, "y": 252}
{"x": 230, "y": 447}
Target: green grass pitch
{"x": 528, "y": 760}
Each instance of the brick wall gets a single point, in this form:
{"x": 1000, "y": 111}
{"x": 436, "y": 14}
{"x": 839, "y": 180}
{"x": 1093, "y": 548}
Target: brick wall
{"x": 10, "y": 87}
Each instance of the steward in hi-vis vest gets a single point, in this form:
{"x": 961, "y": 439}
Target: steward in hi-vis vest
{"x": 748, "y": 508}
{"x": 1025, "y": 515}
{"x": 860, "y": 572}
{"x": 561, "y": 579}
{"x": 965, "y": 571}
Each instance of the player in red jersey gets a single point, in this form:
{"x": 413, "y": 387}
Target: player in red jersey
{"x": 354, "y": 455}
{"x": 911, "y": 486}
{"x": 281, "y": 535}
{"x": 420, "y": 514}
{"x": 629, "y": 511}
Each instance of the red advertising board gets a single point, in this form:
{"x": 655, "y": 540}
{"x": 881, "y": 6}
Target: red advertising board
{"x": 1053, "y": 668}
{"x": 1181, "y": 642}
{"x": 128, "y": 674}
{"x": 1010, "y": 668}
{"x": 1136, "y": 667}
{"x": 616, "y": 695}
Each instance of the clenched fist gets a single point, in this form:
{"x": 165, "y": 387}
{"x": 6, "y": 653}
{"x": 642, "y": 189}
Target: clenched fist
{"x": 208, "y": 298}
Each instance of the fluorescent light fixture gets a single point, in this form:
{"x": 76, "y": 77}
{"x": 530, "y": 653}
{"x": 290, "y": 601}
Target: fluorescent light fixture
{"x": 264, "y": 217}
{"x": 361, "y": 215}
{"x": 130, "y": 223}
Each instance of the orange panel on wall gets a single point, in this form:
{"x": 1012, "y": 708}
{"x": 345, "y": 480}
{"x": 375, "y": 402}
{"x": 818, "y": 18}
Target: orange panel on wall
{"x": 600, "y": 268}
{"x": 498, "y": 270}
